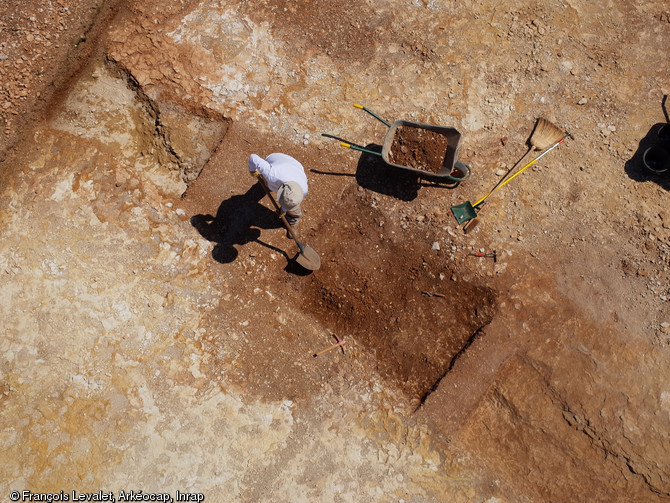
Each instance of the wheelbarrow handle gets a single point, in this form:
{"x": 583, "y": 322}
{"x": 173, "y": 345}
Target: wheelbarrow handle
{"x": 356, "y": 147}
{"x": 373, "y": 114}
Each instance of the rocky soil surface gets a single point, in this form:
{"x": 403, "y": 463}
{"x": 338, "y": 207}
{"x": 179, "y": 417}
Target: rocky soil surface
{"x": 157, "y": 334}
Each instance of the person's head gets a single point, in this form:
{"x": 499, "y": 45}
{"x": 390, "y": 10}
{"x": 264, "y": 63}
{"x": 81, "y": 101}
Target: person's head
{"x": 290, "y": 195}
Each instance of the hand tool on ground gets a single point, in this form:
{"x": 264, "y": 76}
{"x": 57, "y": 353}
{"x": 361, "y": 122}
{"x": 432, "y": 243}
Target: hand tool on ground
{"x": 430, "y": 294}
{"x": 339, "y": 344}
{"x": 466, "y": 213}
{"x": 493, "y": 255}
{"x": 307, "y": 257}
{"x": 544, "y": 135}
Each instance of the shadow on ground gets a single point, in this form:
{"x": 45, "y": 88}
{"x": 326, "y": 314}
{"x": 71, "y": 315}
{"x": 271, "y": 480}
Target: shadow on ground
{"x": 657, "y": 149}
{"x": 374, "y": 174}
{"x": 238, "y": 221}
{"x": 653, "y": 154}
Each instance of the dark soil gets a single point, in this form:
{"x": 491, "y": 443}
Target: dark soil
{"x": 418, "y": 148}
{"x": 372, "y": 287}
{"x": 369, "y": 290}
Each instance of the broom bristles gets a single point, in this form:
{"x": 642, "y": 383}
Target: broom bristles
{"x": 545, "y": 134}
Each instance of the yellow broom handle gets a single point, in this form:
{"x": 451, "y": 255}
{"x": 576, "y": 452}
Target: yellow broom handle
{"x": 508, "y": 180}
{"x": 521, "y": 170}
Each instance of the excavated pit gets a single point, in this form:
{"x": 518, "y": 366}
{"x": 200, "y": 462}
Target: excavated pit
{"x": 396, "y": 295}
{"x": 112, "y": 303}
{"x": 385, "y": 287}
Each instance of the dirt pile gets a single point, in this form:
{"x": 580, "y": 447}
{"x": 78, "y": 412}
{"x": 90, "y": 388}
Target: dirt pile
{"x": 418, "y": 148}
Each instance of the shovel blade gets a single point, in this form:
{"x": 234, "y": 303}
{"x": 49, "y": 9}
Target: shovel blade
{"x": 309, "y": 259}
{"x": 464, "y": 212}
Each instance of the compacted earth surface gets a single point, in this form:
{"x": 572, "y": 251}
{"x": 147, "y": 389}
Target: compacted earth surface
{"x": 158, "y": 335}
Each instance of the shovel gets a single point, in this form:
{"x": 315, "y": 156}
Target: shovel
{"x": 467, "y": 212}
{"x": 307, "y": 257}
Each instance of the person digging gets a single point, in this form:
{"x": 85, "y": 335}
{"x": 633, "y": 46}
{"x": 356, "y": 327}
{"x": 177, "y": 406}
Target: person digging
{"x": 286, "y": 176}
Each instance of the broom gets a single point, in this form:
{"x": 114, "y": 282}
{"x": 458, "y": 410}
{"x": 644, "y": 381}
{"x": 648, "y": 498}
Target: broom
{"x": 545, "y": 137}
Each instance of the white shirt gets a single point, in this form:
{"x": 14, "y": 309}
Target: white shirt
{"x": 278, "y": 169}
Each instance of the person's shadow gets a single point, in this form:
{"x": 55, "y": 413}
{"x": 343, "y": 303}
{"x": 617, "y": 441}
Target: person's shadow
{"x": 635, "y": 166}
{"x": 238, "y": 221}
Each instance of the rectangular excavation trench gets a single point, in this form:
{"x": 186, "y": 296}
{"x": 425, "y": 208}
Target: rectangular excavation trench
{"x": 398, "y": 298}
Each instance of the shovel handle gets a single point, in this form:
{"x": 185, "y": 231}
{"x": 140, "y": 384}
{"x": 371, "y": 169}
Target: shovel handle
{"x": 280, "y": 212}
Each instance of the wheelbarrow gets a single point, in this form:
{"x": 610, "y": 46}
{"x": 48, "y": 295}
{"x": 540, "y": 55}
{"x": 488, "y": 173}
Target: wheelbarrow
{"x": 451, "y": 169}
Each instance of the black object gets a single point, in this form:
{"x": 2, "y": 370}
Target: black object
{"x": 656, "y": 158}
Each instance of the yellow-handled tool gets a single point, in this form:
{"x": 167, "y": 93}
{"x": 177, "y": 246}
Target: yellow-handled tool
{"x": 466, "y": 213}
{"x": 373, "y": 114}
{"x": 356, "y": 147}
{"x": 521, "y": 170}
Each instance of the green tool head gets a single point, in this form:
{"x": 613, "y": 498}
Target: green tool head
{"x": 464, "y": 212}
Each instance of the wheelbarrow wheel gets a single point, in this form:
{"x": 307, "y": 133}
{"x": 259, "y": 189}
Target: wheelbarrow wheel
{"x": 462, "y": 168}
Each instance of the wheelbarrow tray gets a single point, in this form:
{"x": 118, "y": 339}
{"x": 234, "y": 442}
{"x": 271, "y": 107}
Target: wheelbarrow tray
{"x": 453, "y": 138}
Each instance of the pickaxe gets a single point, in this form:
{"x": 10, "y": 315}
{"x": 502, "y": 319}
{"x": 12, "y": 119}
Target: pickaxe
{"x": 493, "y": 255}
{"x": 339, "y": 343}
